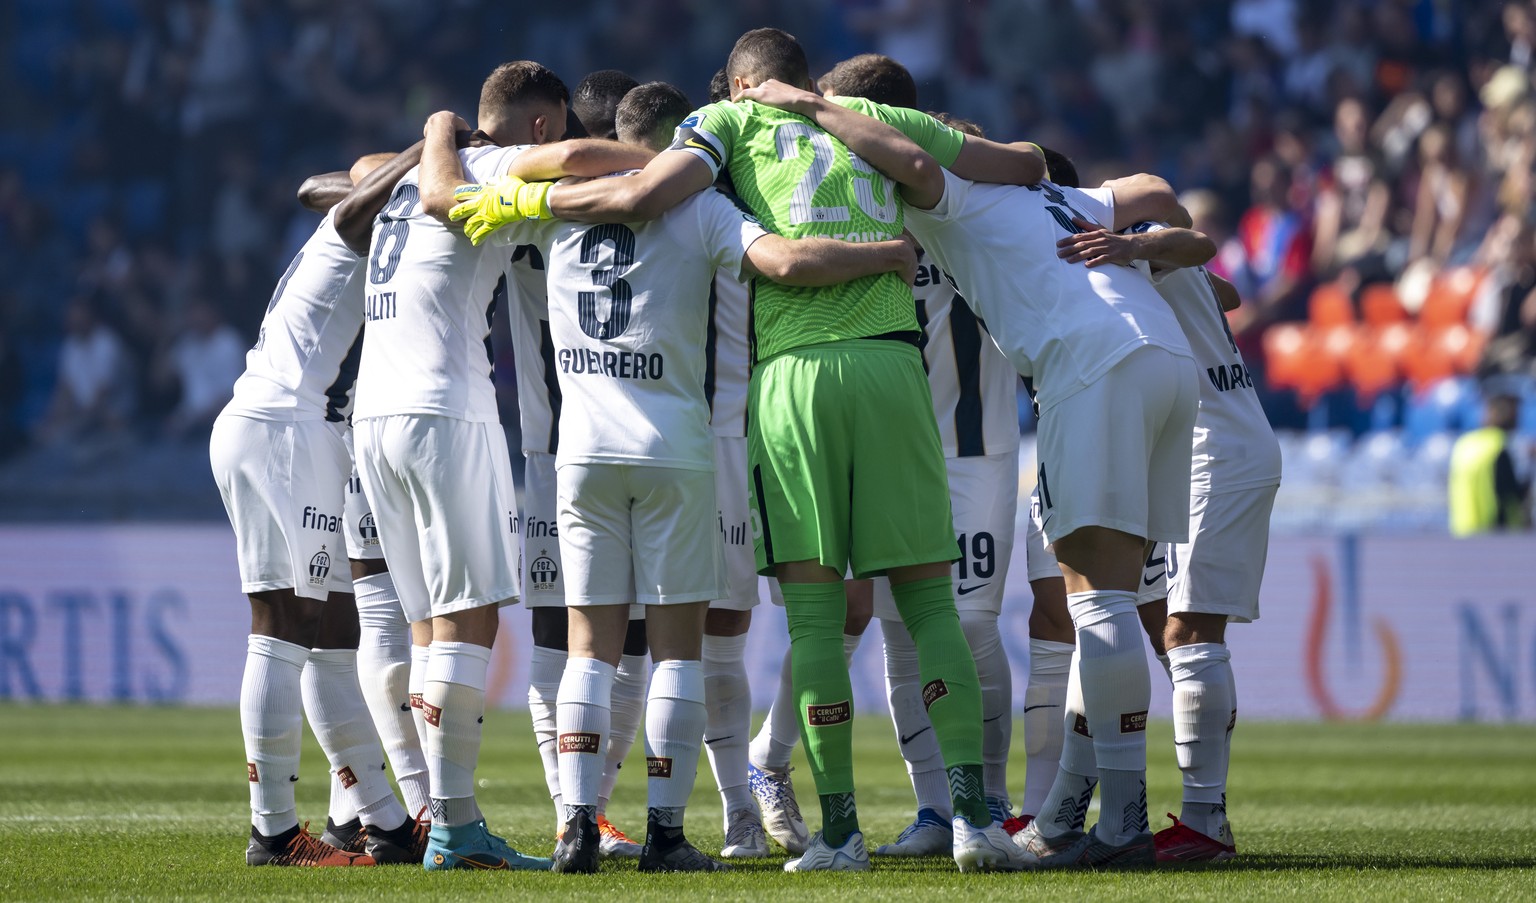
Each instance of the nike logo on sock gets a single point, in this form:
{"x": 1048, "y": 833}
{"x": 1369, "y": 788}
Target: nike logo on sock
{"x": 293, "y": 777}
{"x": 1043, "y": 705}
{"x": 909, "y": 738}
{"x": 709, "y": 740}
{"x": 967, "y": 590}
{"x": 990, "y": 720}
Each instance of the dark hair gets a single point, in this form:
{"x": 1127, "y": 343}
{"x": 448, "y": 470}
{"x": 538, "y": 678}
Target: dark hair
{"x": 1503, "y": 411}
{"x": 719, "y": 87}
{"x": 520, "y": 82}
{"x": 598, "y": 96}
{"x": 959, "y": 125}
{"x": 650, "y": 112}
{"x": 1059, "y": 168}
{"x": 765, "y": 53}
{"x": 873, "y": 77}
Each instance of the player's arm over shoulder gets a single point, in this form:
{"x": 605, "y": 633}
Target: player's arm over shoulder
{"x": 968, "y": 156}
{"x": 584, "y": 157}
{"x": 815, "y": 262}
{"x": 1144, "y": 198}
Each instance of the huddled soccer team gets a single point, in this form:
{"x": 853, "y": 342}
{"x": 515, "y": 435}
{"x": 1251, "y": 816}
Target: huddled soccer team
{"x": 775, "y": 335}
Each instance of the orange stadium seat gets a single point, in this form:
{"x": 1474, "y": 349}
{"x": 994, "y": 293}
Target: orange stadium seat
{"x": 1330, "y": 306}
{"x": 1300, "y": 357}
{"x": 1379, "y": 305}
{"x": 1437, "y": 352}
{"x": 1450, "y": 294}
{"x": 1374, "y": 364}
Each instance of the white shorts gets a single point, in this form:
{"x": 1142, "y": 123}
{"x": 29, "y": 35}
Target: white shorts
{"x": 1221, "y": 567}
{"x": 1116, "y": 453}
{"x": 984, "y": 499}
{"x": 1154, "y": 575}
{"x": 282, "y": 484}
{"x": 636, "y": 533}
{"x": 362, "y": 532}
{"x": 735, "y": 525}
{"x": 539, "y": 566}
{"x": 446, "y": 510}
{"x": 1040, "y": 558}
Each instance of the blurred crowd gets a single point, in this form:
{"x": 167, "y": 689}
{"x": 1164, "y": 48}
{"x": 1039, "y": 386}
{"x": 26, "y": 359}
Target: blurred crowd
{"x": 150, "y": 150}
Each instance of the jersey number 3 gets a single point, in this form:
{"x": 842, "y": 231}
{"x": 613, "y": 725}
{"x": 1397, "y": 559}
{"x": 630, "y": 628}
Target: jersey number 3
{"x": 620, "y": 295}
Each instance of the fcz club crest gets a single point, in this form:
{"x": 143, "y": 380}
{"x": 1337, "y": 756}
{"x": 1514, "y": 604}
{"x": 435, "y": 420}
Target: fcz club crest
{"x": 543, "y": 572}
{"x": 319, "y": 567}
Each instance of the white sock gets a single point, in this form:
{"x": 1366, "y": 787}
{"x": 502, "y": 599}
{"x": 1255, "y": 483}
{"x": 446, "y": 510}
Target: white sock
{"x": 1116, "y": 694}
{"x": 272, "y": 720}
{"x": 1203, "y": 708}
{"x": 545, "y": 668}
{"x": 776, "y": 740}
{"x": 1045, "y": 702}
{"x": 851, "y": 644}
{"x": 627, "y": 704}
{"x": 728, "y": 704}
{"x": 914, "y": 732}
{"x": 1077, "y": 773}
{"x": 384, "y": 671}
{"x": 996, "y": 678}
{"x": 583, "y": 719}
{"x": 420, "y": 655}
{"x": 333, "y": 701}
{"x": 674, "y": 729}
{"x": 453, "y": 705}
{"x": 342, "y": 808}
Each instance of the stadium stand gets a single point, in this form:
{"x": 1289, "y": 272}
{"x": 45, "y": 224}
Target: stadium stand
{"x": 1365, "y": 167}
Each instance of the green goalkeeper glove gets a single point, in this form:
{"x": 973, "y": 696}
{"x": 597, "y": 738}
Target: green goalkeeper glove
{"x": 489, "y": 206}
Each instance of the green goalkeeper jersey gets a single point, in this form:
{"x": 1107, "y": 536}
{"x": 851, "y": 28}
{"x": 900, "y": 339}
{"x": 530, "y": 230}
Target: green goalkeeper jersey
{"x": 801, "y": 182}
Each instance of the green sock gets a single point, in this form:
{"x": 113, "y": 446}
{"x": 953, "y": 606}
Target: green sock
{"x": 951, "y": 690}
{"x": 839, "y": 818}
{"x": 824, "y": 697}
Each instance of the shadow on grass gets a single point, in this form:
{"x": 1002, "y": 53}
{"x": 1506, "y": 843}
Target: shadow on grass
{"x": 1281, "y": 862}
{"x": 1273, "y": 862}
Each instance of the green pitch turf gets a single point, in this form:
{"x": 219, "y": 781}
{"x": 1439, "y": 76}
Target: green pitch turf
{"x": 151, "y": 803}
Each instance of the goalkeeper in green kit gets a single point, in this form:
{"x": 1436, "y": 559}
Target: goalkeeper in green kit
{"x": 846, "y": 466}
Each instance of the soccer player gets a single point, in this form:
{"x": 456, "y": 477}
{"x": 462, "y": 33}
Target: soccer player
{"x": 542, "y": 570}
{"x": 838, "y": 370}
{"x": 1118, "y": 391}
{"x": 727, "y": 694}
{"x": 976, "y": 410}
{"x": 596, "y": 100}
{"x": 432, "y": 456}
{"x": 636, "y": 461}
{"x": 280, "y": 461}
{"x": 1214, "y": 577}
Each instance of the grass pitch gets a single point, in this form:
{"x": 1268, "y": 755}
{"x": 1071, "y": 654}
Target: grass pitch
{"x": 122, "y": 803}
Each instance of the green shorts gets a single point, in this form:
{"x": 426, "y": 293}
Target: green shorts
{"x": 846, "y": 464}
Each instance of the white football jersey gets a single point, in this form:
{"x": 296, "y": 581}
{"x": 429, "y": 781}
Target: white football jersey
{"x": 1235, "y": 448}
{"x": 629, "y": 313}
{"x": 726, "y": 357}
{"x": 429, "y": 298}
{"x": 304, "y": 363}
{"x": 1061, "y": 324}
{"x": 972, "y": 383}
{"x": 533, "y": 349}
